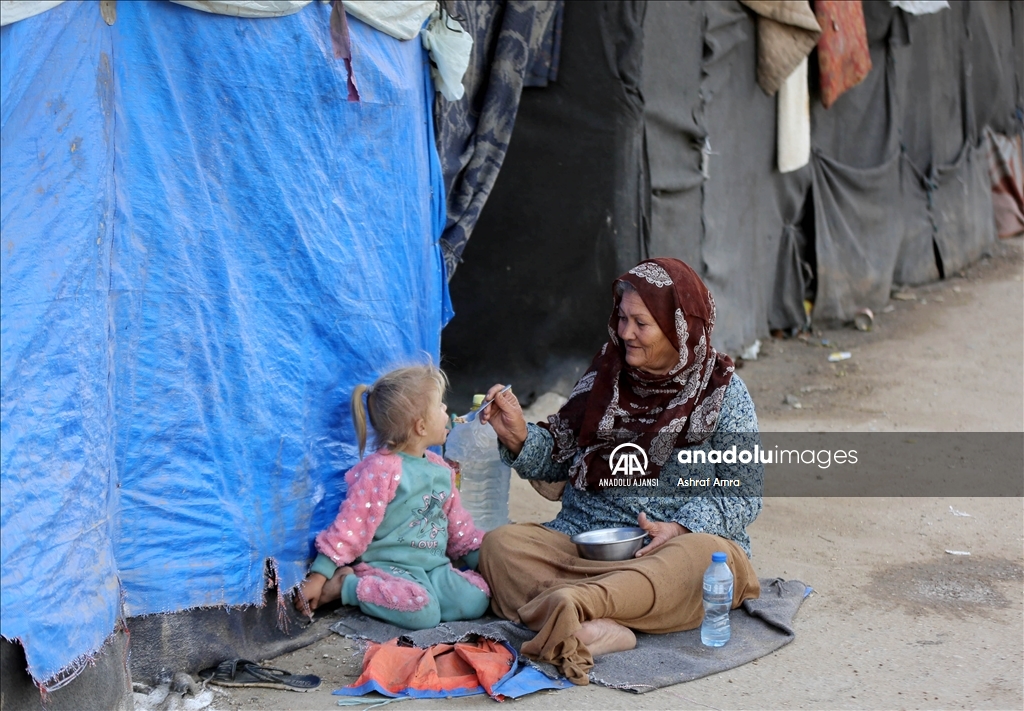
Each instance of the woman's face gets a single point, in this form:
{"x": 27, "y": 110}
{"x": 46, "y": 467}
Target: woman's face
{"x": 647, "y": 347}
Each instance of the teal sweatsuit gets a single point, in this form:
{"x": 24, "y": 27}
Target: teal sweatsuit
{"x": 402, "y": 523}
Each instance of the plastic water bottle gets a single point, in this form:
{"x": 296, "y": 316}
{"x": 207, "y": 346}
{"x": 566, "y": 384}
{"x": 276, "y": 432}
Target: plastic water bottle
{"x": 485, "y": 478}
{"x": 715, "y": 630}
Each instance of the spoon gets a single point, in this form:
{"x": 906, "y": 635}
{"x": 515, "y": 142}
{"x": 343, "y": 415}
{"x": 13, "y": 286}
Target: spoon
{"x": 471, "y": 415}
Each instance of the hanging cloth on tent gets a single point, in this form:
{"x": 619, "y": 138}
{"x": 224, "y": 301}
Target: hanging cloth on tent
{"x": 402, "y": 19}
{"x": 786, "y": 33}
{"x": 450, "y": 47}
{"x": 793, "y": 129}
{"x": 843, "y": 57}
{"x": 920, "y": 7}
{"x": 475, "y": 131}
{"x": 1006, "y": 170}
{"x": 342, "y": 46}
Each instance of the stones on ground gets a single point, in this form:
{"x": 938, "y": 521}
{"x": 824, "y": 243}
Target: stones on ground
{"x": 956, "y": 584}
{"x": 751, "y": 352}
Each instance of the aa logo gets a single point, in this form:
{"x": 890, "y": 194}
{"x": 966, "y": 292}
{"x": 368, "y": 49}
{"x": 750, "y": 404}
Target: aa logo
{"x": 626, "y": 462}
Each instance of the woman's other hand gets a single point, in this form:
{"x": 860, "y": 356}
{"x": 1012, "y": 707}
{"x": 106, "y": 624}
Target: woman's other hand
{"x": 659, "y": 533}
{"x": 506, "y": 417}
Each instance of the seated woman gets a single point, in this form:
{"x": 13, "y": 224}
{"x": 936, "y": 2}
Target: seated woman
{"x": 657, "y": 383}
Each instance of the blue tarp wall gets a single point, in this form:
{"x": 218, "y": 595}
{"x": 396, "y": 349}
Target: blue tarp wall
{"x": 205, "y": 247}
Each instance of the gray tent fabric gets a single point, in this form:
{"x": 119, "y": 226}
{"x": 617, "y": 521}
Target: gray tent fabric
{"x": 759, "y": 627}
{"x": 857, "y": 231}
{"x": 855, "y": 260}
{"x": 511, "y": 39}
{"x": 196, "y": 639}
{"x": 792, "y": 277}
{"x": 566, "y": 209}
{"x": 867, "y": 112}
{"x": 104, "y": 683}
{"x": 915, "y": 262}
{"x": 962, "y": 194}
{"x": 673, "y": 36}
{"x": 356, "y": 625}
{"x": 1002, "y": 24}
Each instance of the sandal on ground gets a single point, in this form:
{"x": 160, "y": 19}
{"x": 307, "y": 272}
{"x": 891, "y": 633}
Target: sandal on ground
{"x": 242, "y": 672}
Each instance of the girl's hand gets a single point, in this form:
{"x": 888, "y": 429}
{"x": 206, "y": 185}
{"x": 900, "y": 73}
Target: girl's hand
{"x": 660, "y": 533}
{"x": 311, "y": 588}
{"x": 506, "y": 417}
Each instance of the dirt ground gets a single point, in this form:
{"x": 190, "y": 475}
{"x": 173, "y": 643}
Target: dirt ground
{"x": 895, "y": 622}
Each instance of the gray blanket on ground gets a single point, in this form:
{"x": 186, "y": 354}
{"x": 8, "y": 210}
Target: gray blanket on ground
{"x": 758, "y": 627}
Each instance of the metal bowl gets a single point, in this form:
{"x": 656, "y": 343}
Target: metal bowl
{"x": 609, "y": 543}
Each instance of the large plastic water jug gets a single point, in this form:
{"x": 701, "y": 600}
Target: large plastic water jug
{"x": 485, "y": 478}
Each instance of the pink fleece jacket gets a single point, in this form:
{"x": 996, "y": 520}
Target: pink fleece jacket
{"x": 371, "y": 487}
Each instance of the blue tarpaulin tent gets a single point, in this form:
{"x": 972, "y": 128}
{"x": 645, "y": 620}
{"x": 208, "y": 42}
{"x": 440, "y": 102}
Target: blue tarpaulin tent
{"x": 205, "y": 246}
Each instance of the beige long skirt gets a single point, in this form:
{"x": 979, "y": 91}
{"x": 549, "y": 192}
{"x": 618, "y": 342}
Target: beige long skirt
{"x": 538, "y": 579}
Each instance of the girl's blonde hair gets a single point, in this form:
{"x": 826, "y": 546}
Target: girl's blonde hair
{"x": 394, "y": 403}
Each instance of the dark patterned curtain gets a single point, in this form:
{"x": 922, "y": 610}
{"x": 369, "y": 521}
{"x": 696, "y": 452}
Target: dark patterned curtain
{"x": 515, "y": 44}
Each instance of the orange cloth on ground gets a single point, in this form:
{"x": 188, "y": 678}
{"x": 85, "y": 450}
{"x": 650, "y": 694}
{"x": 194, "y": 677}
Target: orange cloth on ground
{"x": 441, "y": 667}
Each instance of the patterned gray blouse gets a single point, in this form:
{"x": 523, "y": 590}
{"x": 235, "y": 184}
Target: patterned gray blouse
{"x": 719, "y": 510}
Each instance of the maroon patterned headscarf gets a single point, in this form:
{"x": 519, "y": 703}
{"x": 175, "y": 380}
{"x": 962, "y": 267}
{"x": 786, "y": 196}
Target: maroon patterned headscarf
{"x": 614, "y": 403}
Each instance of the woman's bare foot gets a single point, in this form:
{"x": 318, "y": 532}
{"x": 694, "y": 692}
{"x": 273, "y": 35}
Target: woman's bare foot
{"x": 605, "y": 636}
{"x": 332, "y": 588}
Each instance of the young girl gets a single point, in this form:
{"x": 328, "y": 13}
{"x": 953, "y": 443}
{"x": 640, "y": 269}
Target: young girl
{"x": 402, "y": 518}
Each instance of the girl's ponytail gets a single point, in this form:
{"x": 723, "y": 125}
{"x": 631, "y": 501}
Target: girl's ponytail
{"x": 359, "y": 416}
